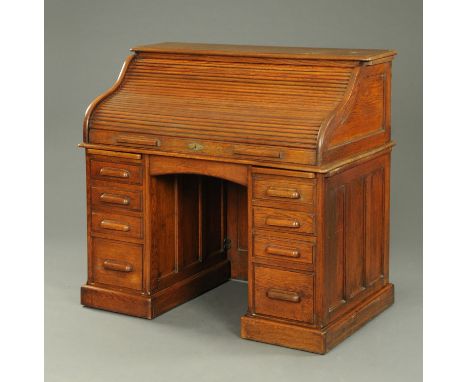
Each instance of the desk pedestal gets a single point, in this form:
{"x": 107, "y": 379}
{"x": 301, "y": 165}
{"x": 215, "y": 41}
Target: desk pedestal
{"x": 313, "y": 246}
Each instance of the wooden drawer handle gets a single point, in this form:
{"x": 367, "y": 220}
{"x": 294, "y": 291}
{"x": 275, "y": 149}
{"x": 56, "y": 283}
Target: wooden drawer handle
{"x": 116, "y": 266}
{"x": 289, "y": 193}
{"x": 278, "y": 222}
{"x": 265, "y": 153}
{"x": 283, "y": 295}
{"x": 138, "y": 140}
{"x": 114, "y": 172}
{"x": 282, "y": 252}
{"x": 114, "y": 199}
{"x": 115, "y": 226}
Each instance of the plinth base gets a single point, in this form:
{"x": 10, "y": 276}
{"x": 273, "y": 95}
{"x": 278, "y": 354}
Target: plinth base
{"x": 150, "y": 306}
{"x": 313, "y": 339}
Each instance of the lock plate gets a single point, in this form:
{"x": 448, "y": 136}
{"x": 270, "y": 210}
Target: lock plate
{"x": 194, "y": 146}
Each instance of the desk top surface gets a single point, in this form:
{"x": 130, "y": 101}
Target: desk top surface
{"x": 267, "y": 51}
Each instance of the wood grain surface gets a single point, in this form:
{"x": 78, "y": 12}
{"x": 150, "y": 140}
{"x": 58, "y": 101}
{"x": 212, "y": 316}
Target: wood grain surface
{"x": 267, "y": 164}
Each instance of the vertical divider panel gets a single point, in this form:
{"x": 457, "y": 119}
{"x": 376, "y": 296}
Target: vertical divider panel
{"x": 201, "y": 202}
{"x": 188, "y": 220}
{"x": 147, "y": 232}
{"x": 178, "y": 259}
{"x": 320, "y": 306}
{"x": 164, "y": 228}
{"x": 237, "y": 229}
{"x": 250, "y": 268}
{"x": 88, "y": 219}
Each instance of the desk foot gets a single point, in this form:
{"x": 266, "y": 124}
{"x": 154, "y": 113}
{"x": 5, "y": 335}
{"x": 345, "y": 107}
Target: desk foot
{"x": 314, "y": 339}
{"x": 138, "y": 305}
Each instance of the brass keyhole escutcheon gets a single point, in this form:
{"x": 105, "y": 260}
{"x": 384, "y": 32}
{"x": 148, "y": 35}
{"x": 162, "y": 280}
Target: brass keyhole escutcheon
{"x": 195, "y": 146}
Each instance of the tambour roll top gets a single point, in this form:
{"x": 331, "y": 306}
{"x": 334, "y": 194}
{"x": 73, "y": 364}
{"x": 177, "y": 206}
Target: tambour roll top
{"x": 294, "y": 106}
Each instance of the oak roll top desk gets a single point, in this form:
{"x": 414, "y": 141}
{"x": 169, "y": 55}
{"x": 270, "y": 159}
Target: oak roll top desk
{"x": 267, "y": 164}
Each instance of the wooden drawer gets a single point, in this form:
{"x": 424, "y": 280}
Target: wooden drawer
{"x": 116, "y": 172}
{"x": 284, "y": 189}
{"x": 282, "y": 220}
{"x": 283, "y": 247}
{"x": 284, "y": 294}
{"x": 116, "y": 263}
{"x": 120, "y": 225}
{"x": 110, "y": 197}
{"x": 246, "y": 152}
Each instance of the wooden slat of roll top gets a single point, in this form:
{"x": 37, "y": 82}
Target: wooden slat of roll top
{"x": 191, "y": 109}
{"x": 157, "y": 87}
{"x": 234, "y": 105}
{"x": 278, "y": 79}
{"x": 237, "y": 68}
{"x": 197, "y": 128}
{"x": 276, "y": 103}
{"x": 202, "y": 135}
{"x": 236, "y": 102}
{"x": 206, "y": 122}
{"x": 141, "y": 117}
{"x": 151, "y": 88}
{"x": 226, "y": 108}
{"x": 117, "y": 126}
{"x": 257, "y": 65}
{"x": 146, "y": 117}
{"x": 229, "y": 88}
{"x": 269, "y": 77}
{"x": 298, "y": 85}
{"x": 238, "y": 107}
{"x": 261, "y": 71}
{"x": 209, "y": 130}
{"x": 281, "y": 124}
